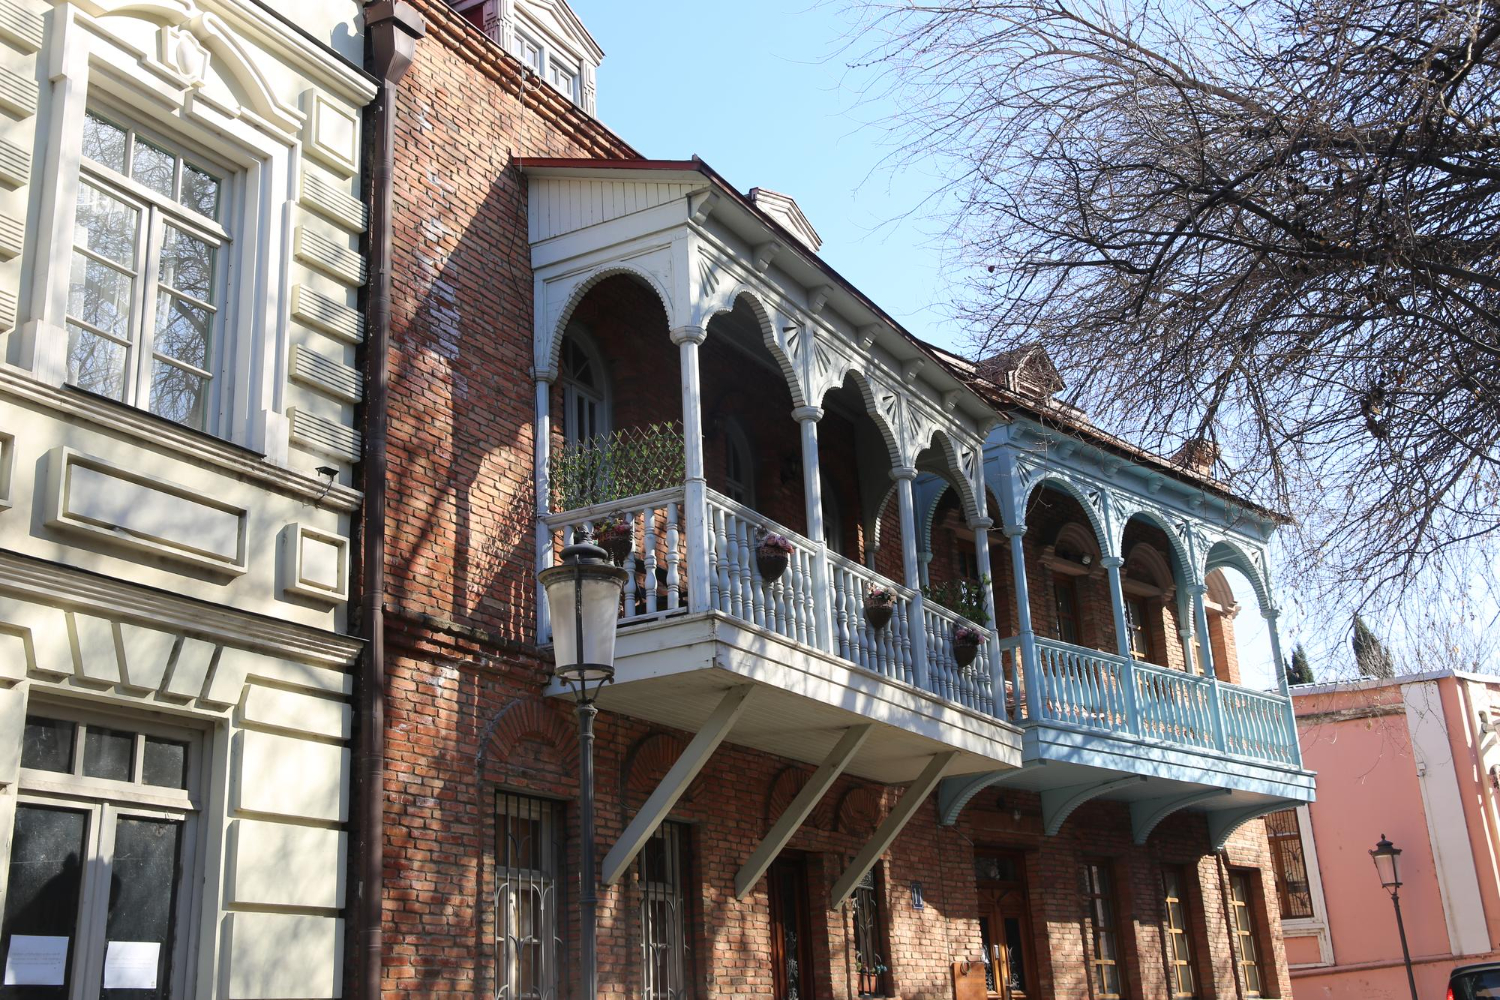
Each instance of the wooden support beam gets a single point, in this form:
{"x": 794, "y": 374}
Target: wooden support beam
{"x": 673, "y": 784}
{"x": 1222, "y": 824}
{"x": 1145, "y": 814}
{"x": 955, "y": 793}
{"x": 891, "y": 827}
{"x": 1058, "y": 803}
{"x": 812, "y": 793}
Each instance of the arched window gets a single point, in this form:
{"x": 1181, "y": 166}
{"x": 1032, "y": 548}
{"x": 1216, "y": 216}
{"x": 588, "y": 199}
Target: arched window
{"x": 739, "y": 470}
{"x": 585, "y": 389}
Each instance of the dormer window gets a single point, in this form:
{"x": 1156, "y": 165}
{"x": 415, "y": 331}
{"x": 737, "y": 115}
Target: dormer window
{"x": 547, "y": 37}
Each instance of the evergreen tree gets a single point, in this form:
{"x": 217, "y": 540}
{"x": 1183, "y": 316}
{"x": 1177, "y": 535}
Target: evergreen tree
{"x": 1370, "y": 654}
{"x": 1300, "y": 672}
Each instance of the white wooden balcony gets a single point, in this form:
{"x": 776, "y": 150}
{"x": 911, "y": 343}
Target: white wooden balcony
{"x": 686, "y": 638}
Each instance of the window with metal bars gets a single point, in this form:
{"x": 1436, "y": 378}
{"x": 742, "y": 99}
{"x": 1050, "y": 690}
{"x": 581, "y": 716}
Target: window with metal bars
{"x": 1293, "y": 890}
{"x": 528, "y": 853}
{"x": 662, "y": 871}
{"x": 1246, "y": 947}
{"x": 1103, "y": 931}
{"x": 869, "y": 931}
{"x": 1180, "y": 975}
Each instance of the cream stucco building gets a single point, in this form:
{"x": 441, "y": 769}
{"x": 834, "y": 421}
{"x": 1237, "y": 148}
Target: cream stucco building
{"x": 180, "y": 223}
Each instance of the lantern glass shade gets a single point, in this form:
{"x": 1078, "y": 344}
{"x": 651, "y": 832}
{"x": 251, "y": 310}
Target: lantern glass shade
{"x": 583, "y": 596}
{"x": 1385, "y": 857}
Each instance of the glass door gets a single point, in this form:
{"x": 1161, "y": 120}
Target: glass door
{"x": 791, "y": 951}
{"x": 1005, "y": 925}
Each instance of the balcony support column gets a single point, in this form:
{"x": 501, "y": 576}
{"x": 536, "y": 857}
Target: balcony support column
{"x": 1016, "y": 533}
{"x": 695, "y": 487}
{"x": 981, "y": 527}
{"x": 1112, "y": 566}
{"x": 542, "y": 457}
{"x": 807, "y": 418}
{"x": 1283, "y": 683}
{"x": 918, "y": 623}
{"x": 1204, "y": 648}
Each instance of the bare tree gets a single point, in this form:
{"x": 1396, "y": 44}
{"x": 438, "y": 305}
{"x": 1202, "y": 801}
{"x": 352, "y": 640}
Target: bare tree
{"x": 1272, "y": 224}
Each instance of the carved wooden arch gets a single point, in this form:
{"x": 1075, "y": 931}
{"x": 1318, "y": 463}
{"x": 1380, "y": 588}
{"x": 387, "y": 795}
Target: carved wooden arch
{"x": 549, "y": 353}
{"x": 1186, "y": 570}
{"x": 1091, "y": 506}
{"x": 784, "y": 342}
{"x": 963, "y": 465}
{"x": 1225, "y": 553}
{"x": 647, "y": 761}
{"x": 522, "y": 718}
{"x": 882, "y": 403}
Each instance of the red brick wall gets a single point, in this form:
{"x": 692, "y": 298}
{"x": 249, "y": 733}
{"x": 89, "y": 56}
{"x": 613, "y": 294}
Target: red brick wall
{"x": 466, "y": 720}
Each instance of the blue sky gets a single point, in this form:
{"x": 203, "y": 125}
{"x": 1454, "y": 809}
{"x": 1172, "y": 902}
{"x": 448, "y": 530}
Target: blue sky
{"x": 762, "y": 94}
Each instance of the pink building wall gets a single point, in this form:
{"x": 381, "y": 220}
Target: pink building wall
{"x": 1416, "y": 759}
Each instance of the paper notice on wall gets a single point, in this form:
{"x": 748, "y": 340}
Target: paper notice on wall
{"x": 36, "y": 960}
{"x": 131, "y": 965}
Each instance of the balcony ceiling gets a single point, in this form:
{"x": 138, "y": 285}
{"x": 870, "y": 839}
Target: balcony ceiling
{"x": 675, "y": 672}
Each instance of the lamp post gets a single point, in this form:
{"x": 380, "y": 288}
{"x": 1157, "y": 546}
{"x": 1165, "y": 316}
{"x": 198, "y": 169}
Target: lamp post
{"x": 1386, "y": 857}
{"x": 583, "y": 651}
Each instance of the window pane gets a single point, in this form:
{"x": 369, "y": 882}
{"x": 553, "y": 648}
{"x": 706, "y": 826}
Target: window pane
{"x": 48, "y": 745}
{"x": 153, "y": 167}
{"x": 187, "y": 264}
{"x": 200, "y": 191}
{"x": 106, "y": 225}
{"x": 108, "y": 753}
{"x": 177, "y": 394}
{"x": 95, "y": 363}
{"x": 100, "y": 296}
{"x": 183, "y": 330}
{"x": 103, "y": 142}
{"x": 46, "y": 867}
{"x": 164, "y": 763}
{"x": 143, "y": 895}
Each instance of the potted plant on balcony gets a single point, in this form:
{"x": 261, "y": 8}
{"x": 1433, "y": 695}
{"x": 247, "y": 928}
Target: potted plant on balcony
{"x": 966, "y": 640}
{"x": 880, "y": 604}
{"x": 772, "y": 553}
{"x": 615, "y": 535}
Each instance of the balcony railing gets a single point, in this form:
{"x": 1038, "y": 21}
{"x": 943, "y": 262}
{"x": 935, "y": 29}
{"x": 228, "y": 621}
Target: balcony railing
{"x": 1097, "y": 691}
{"x": 1070, "y": 686}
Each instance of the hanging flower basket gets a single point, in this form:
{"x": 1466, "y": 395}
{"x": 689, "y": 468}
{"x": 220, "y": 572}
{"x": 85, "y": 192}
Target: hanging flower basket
{"x": 615, "y": 535}
{"x": 966, "y": 642}
{"x": 880, "y": 605}
{"x": 772, "y": 554}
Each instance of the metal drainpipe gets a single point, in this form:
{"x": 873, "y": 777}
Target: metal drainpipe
{"x": 392, "y": 27}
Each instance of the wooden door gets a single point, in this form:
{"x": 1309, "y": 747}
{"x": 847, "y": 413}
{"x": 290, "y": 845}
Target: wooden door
{"x": 791, "y": 926}
{"x": 1005, "y": 927}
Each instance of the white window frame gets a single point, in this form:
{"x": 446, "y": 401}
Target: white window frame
{"x": 550, "y": 61}
{"x": 258, "y": 144}
{"x": 1315, "y": 926}
{"x": 105, "y": 801}
{"x": 157, "y": 211}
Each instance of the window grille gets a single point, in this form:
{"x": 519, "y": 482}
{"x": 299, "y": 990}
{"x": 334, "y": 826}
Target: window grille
{"x": 662, "y": 870}
{"x": 1293, "y": 890}
{"x": 1181, "y": 977}
{"x": 1104, "y": 933}
{"x": 869, "y": 926}
{"x": 527, "y": 897}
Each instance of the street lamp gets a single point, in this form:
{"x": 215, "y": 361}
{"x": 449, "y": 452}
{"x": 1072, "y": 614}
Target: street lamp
{"x": 1387, "y": 865}
{"x": 583, "y": 652}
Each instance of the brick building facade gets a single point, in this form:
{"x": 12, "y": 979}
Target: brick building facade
{"x": 467, "y": 719}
